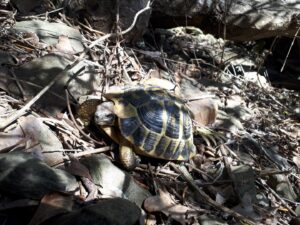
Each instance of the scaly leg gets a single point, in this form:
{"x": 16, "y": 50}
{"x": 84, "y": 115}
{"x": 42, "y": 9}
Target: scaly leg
{"x": 127, "y": 156}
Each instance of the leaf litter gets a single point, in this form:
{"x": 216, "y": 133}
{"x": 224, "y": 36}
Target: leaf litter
{"x": 247, "y": 132}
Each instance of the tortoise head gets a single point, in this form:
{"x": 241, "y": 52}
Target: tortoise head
{"x": 104, "y": 115}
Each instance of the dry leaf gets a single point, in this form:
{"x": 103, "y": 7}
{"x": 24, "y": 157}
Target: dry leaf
{"x": 43, "y": 142}
{"x": 78, "y": 169}
{"x": 151, "y": 220}
{"x": 204, "y": 111}
{"x": 20, "y": 203}
{"x": 52, "y": 205}
{"x": 295, "y": 221}
{"x": 164, "y": 203}
{"x": 31, "y": 38}
{"x": 33, "y": 135}
{"x": 64, "y": 45}
{"x": 296, "y": 160}
{"x": 246, "y": 208}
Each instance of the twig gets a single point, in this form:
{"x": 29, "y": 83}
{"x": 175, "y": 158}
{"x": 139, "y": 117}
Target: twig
{"x": 90, "y": 29}
{"x": 41, "y": 15}
{"x": 187, "y": 177}
{"x": 26, "y": 108}
{"x": 264, "y": 173}
{"x": 18, "y": 83}
{"x": 84, "y": 153}
{"x": 74, "y": 121}
{"x": 263, "y": 61}
{"x": 93, "y": 151}
{"x": 290, "y": 201}
{"x": 283, "y": 202}
{"x": 195, "y": 98}
{"x": 96, "y": 42}
{"x": 163, "y": 173}
{"x": 288, "y": 53}
{"x": 64, "y": 127}
{"x": 30, "y": 84}
{"x": 200, "y": 171}
{"x": 13, "y": 146}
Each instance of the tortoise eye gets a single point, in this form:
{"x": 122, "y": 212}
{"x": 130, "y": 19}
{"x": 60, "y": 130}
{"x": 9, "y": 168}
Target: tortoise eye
{"x": 110, "y": 116}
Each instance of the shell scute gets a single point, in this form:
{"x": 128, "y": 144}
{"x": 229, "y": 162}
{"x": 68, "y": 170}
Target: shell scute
{"x": 170, "y": 150}
{"x": 150, "y": 141}
{"x": 151, "y": 115}
{"x": 137, "y": 97}
{"x": 173, "y": 121}
{"x": 128, "y": 125}
{"x": 187, "y": 126}
{"x": 177, "y": 151}
{"x": 138, "y": 136}
{"x": 161, "y": 146}
{"x": 185, "y": 151}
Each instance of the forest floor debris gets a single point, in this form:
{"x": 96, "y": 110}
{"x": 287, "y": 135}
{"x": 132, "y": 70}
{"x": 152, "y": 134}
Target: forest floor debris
{"x": 248, "y": 160}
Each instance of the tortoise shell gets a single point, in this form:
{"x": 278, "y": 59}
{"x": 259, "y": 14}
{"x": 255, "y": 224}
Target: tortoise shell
{"x": 157, "y": 123}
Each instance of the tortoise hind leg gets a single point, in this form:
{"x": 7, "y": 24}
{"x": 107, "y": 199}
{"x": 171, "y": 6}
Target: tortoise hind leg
{"x": 127, "y": 156}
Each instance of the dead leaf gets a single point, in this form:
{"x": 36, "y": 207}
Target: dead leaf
{"x": 151, "y": 220}
{"x": 12, "y": 142}
{"x": 246, "y": 208}
{"x": 295, "y": 221}
{"x": 43, "y": 141}
{"x": 18, "y": 204}
{"x": 165, "y": 204}
{"x": 296, "y": 160}
{"x": 34, "y": 136}
{"x": 204, "y": 110}
{"x": 64, "y": 45}
{"x": 162, "y": 83}
{"x": 78, "y": 169}
{"x": 32, "y": 38}
{"x": 243, "y": 179}
{"x": 52, "y": 205}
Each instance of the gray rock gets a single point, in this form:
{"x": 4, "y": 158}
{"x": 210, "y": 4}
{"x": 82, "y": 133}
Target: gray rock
{"x": 103, "y": 15}
{"x": 245, "y": 20}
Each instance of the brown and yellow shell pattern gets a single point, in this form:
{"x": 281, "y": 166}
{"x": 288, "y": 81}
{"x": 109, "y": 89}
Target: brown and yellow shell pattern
{"x": 157, "y": 123}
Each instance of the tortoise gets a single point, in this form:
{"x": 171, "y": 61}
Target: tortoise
{"x": 146, "y": 120}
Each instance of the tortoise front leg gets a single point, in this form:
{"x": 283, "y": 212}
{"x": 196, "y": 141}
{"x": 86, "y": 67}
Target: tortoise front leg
{"x": 127, "y": 155}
